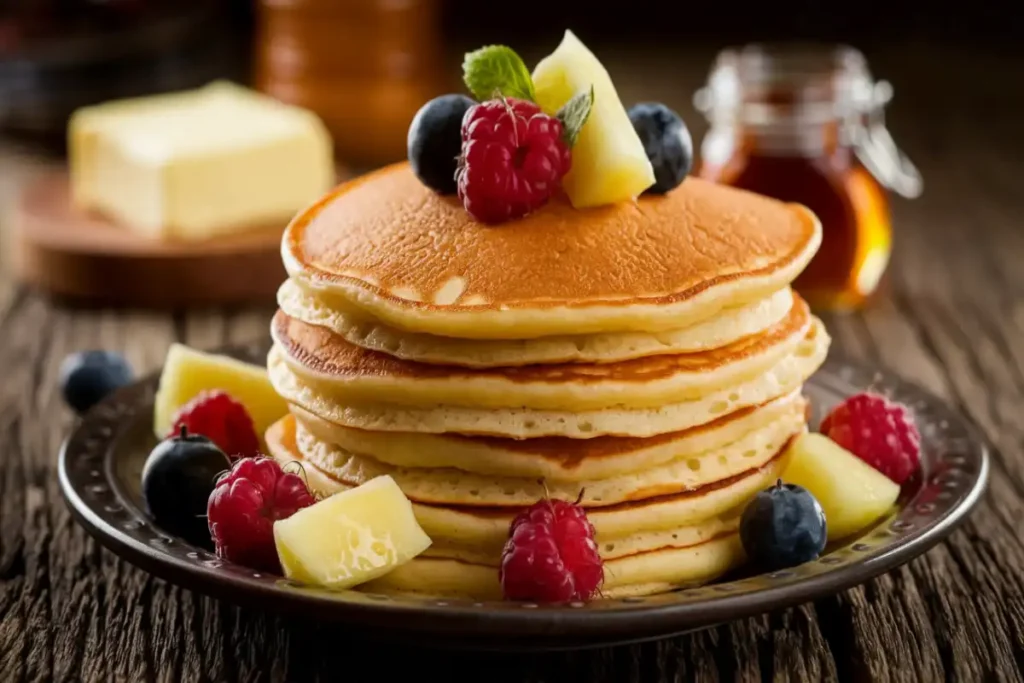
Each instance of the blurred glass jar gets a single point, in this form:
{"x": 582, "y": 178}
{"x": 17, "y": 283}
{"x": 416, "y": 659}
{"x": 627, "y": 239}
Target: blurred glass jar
{"x": 364, "y": 66}
{"x": 806, "y": 124}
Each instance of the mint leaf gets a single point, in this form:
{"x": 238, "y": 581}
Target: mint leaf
{"x": 574, "y": 114}
{"x": 497, "y": 69}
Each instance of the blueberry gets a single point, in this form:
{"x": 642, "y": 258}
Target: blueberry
{"x": 783, "y": 526}
{"x": 667, "y": 142}
{"x": 177, "y": 480}
{"x": 86, "y": 377}
{"x": 435, "y": 141}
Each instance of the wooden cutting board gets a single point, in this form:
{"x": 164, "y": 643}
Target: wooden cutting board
{"x": 86, "y": 259}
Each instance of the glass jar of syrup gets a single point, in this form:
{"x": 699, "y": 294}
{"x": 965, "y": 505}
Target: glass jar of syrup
{"x": 805, "y": 124}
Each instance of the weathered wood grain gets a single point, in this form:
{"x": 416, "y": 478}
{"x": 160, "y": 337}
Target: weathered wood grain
{"x": 952, "y": 320}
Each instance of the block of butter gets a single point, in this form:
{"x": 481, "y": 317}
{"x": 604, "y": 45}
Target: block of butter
{"x": 199, "y": 163}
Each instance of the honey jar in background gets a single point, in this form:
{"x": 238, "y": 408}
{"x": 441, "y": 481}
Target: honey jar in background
{"x": 364, "y": 66}
{"x": 805, "y": 124}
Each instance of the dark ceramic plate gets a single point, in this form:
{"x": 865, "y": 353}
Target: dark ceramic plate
{"x": 101, "y": 464}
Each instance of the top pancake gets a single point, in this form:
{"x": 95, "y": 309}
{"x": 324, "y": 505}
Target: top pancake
{"x": 391, "y": 247}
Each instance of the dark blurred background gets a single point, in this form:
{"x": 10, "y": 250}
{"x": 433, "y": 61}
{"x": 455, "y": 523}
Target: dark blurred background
{"x": 59, "y": 54}
{"x": 639, "y": 21}
{"x": 642, "y": 21}
{"x": 365, "y": 66}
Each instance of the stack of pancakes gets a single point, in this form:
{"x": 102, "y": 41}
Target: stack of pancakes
{"x": 646, "y": 359}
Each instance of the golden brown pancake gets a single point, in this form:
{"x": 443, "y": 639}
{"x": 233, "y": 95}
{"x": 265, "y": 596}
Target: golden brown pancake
{"x": 729, "y": 325}
{"x": 645, "y": 573}
{"x": 450, "y": 486}
{"x": 556, "y": 459}
{"x": 419, "y": 262}
{"x": 326, "y": 353}
{"x": 359, "y": 374}
{"x": 784, "y": 377}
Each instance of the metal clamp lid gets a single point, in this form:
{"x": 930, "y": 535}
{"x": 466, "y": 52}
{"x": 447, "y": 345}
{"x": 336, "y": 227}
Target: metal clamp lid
{"x": 876, "y": 149}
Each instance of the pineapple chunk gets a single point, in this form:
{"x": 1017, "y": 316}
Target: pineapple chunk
{"x": 351, "y": 537}
{"x": 609, "y": 163}
{"x": 852, "y": 493}
{"x": 188, "y": 371}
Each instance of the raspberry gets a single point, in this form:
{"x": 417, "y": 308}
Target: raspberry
{"x": 513, "y": 159}
{"x": 244, "y": 505}
{"x": 878, "y": 431}
{"x": 222, "y": 420}
{"x": 550, "y": 555}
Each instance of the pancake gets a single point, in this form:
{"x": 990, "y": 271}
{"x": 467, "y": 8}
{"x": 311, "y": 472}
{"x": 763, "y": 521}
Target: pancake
{"x": 353, "y": 374}
{"x": 654, "y": 571}
{"x": 446, "y": 486}
{"x": 642, "y": 542}
{"x": 785, "y": 377}
{"x": 555, "y": 459}
{"x": 418, "y": 262}
{"x": 331, "y": 312}
{"x": 484, "y": 530}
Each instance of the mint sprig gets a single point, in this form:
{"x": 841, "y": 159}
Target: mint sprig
{"x": 497, "y": 69}
{"x": 574, "y": 114}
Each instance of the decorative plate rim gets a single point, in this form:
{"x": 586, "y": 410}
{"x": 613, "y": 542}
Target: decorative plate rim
{"x": 940, "y": 499}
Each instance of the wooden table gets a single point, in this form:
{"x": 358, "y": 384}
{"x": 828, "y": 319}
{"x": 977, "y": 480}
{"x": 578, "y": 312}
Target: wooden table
{"x": 953, "y": 321}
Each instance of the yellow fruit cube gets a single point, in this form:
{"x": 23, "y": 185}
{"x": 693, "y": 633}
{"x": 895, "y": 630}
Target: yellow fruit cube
{"x": 852, "y": 493}
{"x": 188, "y": 371}
{"x": 609, "y": 164}
{"x": 351, "y": 537}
